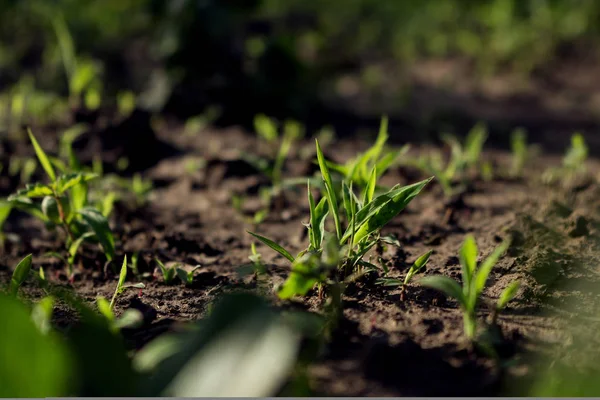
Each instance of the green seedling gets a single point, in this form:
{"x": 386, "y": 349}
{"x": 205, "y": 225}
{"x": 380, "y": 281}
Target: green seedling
{"x": 267, "y": 129}
{"x": 20, "y": 274}
{"x": 417, "y": 267}
{"x": 474, "y": 278}
{"x": 332, "y": 260}
{"x": 573, "y": 162}
{"x": 518, "y": 144}
{"x": 170, "y": 273}
{"x": 64, "y": 203}
{"x": 187, "y": 277}
{"x": 129, "y": 319}
{"x": 375, "y": 160}
{"x": 463, "y": 161}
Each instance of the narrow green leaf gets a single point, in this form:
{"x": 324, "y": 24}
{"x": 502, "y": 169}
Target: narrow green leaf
{"x": 311, "y": 228}
{"x": 371, "y": 185}
{"x": 445, "y": 285}
{"x": 331, "y": 197}
{"x": 162, "y": 267}
{"x": 368, "y": 210}
{"x": 273, "y": 245}
{"x": 348, "y": 197}
{"x": 122, "y": 278}
{"x": 99, "y": 225}
{"x": 390, "y": 282}
{"x": 42, "y": 157}
{"x": 508, "y": 294}
{"x": 486, "y": 266}
{"x": 123, "y": 273}
{"x": 388, "y": 210}
{"x": 417, "y": 266}
{"x": 20, "y": 274}
{"x": 468, "y": 260}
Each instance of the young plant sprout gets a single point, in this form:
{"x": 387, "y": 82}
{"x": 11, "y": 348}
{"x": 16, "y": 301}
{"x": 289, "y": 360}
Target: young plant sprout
{"x": 267, "y": 129}
{"x": 332, "y": 260}
{"x": 474, "y": 278}
{"x": 518, "y": 144}
{"x": 130, "y": 318}
{"x": 65, "y": 204}
{"x": 417, "y": 267}
{"x": 170, "y": 273}
{"x": 573, "y": 162}
{"x": 464, "y": 160}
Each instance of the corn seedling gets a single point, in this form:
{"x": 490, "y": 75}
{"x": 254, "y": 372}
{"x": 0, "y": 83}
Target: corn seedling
{"x": 64, "y": 203}
{"x": 417, "y": 267}
{"x": 333, "y": 260}
{"x": 474, "y": 278}
{"x": 130, "y": 318}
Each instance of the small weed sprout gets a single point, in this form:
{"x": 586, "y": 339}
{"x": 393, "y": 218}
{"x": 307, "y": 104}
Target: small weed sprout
{"x": 474, "y": 278}
{"x": 333, "y": 260}
{"x": 65, "y": 204}
{"x": 417, "y": 267}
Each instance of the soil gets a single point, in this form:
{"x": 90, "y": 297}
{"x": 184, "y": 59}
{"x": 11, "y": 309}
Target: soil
{"x": 384, "y": 346}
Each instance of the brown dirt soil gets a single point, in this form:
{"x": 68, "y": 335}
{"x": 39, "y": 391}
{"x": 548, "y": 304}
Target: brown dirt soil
{"x": 384, "y": 346}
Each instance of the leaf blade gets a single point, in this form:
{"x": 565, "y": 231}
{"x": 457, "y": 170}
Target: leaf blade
{"x": 273, "y": 245}
{"x": 42, "y": 157}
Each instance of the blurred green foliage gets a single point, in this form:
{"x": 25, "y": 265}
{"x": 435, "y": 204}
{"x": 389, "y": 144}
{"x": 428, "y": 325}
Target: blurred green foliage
{"x": 275, "y": 49}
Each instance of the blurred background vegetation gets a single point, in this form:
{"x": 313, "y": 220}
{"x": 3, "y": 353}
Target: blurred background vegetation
{"x": 286, "y": 58}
